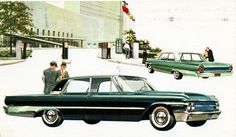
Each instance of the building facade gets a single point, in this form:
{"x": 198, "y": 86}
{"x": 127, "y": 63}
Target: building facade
{"x": 80, "y": 23}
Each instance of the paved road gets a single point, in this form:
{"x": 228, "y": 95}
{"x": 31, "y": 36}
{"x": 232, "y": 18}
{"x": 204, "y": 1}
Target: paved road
{"x": 25, "y": 78}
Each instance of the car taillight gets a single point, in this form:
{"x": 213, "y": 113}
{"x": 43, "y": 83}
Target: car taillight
{"x": 230, "y": 68}
{"x": 201, "y": 69}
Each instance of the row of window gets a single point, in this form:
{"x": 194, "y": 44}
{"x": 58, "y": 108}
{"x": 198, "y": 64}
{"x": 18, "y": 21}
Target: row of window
{"x": 59, "y": 34}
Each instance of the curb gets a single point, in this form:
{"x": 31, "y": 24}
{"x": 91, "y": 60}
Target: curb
{"x": 133, "y": 64}
{"x": 11, "y": 62}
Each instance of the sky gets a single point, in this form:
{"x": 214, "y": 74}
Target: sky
{"x": 184, "y": 25}
{"x": 196, "y": 24}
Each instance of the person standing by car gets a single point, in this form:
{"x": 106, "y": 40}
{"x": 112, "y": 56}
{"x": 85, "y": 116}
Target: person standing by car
{"x": 127, "y": 50}
{"x": 49, "y": 77}
{"x": 144, "y": 55}
{"x": 62, "y": 72}
{"x": 205, "y": 54}
{"x": 210, "y": 55}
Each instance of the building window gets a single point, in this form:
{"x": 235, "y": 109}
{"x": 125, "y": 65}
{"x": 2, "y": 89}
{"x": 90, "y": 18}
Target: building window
{"x": 67, "y": 35}
{"x": 58, "y": 34}
{"x": 43, "y": 32}
{"x": 63, "y": 34}
{"x": 48, "y": 32}
{"x": 71, "y": 35}
{"x": 53, "y": 33}
{"x": 37, "y": 31}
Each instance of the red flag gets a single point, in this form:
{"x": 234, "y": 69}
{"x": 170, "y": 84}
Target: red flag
{"x": 125, "y": 9}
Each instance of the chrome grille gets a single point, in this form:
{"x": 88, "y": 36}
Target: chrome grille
{"x": 205, "y": 106}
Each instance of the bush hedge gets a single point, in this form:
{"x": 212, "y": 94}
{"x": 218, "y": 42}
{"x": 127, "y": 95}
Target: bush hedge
{"x": 6, "y": 53}
{"x": 150, "y": 55}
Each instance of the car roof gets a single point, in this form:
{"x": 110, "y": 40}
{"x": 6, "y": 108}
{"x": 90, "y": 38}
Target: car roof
{"x": 189, "y": 53}
{"x": 167, "y": 52}
{"x": 103, "y": 76}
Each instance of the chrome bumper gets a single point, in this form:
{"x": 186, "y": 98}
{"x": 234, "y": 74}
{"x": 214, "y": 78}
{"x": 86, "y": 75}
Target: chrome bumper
{"x": 195, "y": 116}
{"x": 20, "y": 111}
{"x": 204, "y": 74}
{"x": 214, "y": 74}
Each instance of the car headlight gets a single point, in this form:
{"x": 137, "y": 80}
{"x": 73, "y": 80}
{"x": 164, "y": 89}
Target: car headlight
{"x": 190, "y": 107}
{"x": 230, "y": 68}
{"x": 217, "y": 107}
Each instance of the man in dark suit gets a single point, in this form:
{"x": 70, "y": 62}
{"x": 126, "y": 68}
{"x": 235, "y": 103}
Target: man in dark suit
{"x": 210, "y": 55}
{"x": 49, "y": 77}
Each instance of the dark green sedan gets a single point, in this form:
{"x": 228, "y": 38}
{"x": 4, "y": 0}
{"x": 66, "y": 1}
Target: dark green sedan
{"x": 189, "y": 64}
{"x": 114, "y": 98}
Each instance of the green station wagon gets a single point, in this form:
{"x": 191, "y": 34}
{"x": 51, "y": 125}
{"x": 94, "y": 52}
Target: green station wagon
{"x": 114, "y": 98}
{"x": 187, "y": 63}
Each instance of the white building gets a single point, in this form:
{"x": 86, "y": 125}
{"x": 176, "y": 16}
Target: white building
{"x": 80, "y": 23}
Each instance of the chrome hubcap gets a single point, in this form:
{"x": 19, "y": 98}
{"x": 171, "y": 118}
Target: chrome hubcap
{"x": 176, "y": 74}
{"x": 51, "y": 116}
{"x": 149, "y": 68}
{"x": 161, "y": 118}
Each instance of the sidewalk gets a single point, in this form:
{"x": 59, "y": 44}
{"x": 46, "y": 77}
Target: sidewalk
{"x": 131, "y": 61}
{"x": 9, "y": 62}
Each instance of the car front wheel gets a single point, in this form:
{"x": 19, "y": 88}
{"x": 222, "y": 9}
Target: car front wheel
{"x": 161, "y": 119}
{"x": 177, "y": 75}
{"x": 52, "y": 118}
{"x": 196, "y": 123}
{"x": 91, "y": 122}
{"x": 150, "y": 69}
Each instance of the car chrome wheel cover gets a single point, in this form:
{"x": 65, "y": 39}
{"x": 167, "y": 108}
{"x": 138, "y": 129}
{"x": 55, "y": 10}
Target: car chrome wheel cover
{"x": 150, "y": 69}
{"x": 160, "y": 117}
{"x": 176, "y": 74}
{"x": 50, "y": 116}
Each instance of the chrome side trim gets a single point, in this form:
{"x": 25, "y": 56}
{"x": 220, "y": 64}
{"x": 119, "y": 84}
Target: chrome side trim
{"x": 171, "y": 103}
{"x": 121, "y": 108}
{"x": 30, "y": 111}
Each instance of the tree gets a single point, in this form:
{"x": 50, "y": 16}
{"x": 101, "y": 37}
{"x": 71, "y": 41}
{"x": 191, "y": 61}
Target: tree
{"x": 15, "y": 19}
{"x": 144, "y": 44}
{"x": 130, "y": 36}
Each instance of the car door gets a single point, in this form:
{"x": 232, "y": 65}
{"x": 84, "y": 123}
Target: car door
{"x": 75, "y": 99}
{"x": 160, "y": 62}
{"x": 166, "y": 62}
{"x": 111, "y": 104}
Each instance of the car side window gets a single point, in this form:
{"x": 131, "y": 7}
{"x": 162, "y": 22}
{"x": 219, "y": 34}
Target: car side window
{"x": 171, "y": 57}
{"x": 107, "y": 86}
{"x": 164, "y": 56}
{"x": 196, "y": 57}
{"x": 186, "y": 57}
{"x": 78, "y": 86}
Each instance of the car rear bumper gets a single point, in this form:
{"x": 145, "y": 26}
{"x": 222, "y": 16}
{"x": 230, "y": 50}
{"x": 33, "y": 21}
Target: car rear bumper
{"x": 204, "y": 74}
{"x": 195, "y": 116}
{"x": 214, "y": 74}
{"x": 22, "y": 111}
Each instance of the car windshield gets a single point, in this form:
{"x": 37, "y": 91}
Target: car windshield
{"x": 133, "y": 84}
{"x": 191, "y": 57}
